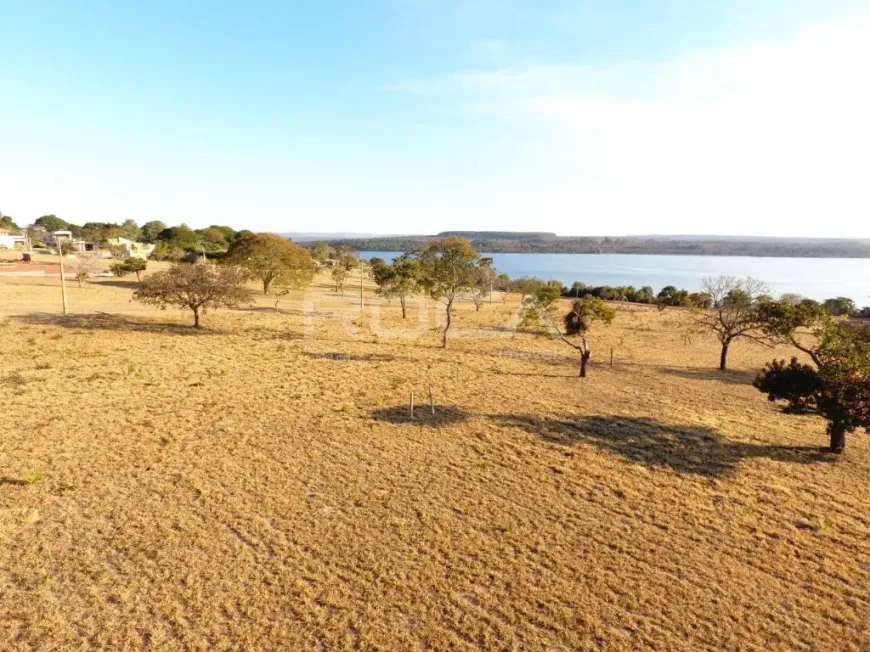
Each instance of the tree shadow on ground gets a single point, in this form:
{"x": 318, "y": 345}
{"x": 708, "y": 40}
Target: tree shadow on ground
{"x": 532, "y": 374}
{"x": 445, "y": 415}
{"x": 287, "y": 312}
{"x": 106, "y": 322}
{"x": 691, "y": 450}
{"x": 356, "y": 357}
{"x": 127, "y": 285}
{"x": 731, "y": 377}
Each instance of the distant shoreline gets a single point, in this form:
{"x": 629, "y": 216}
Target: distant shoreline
{"x": 521, "y": 243}
{"x": 640, "y": 253}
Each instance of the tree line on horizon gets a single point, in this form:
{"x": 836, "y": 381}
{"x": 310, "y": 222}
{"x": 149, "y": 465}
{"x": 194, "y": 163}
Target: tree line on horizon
{"x": 546, "y": 243}
{"x": 170, "y": 242}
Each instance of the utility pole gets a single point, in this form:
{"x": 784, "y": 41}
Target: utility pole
{"x": 62, "y": 275}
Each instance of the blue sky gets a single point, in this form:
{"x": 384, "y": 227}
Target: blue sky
{"x": 417, "y": 116}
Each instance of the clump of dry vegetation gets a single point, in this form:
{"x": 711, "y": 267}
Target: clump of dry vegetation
{"x": 258, "y": 483}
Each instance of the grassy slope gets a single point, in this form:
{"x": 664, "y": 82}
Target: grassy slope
{"x": 247, "y": 485}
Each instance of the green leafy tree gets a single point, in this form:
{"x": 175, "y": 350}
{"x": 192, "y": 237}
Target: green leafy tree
{"x": 130, "y": 265}
{"x": 136, "y": 266}
{"x": 539, "y": 297}
{"x": 584, "y": 312}
{"x": 297, "y": 272}
{"x": 180, "y": 237}
{"x": 340, "y": 275}
{"x": 322, "y": 252}
{"x": 118, "y": 252}
{"x": 266, "y": 256}
{"x": 215, "y": 238}
{"x": 836, "y": 388}
{"x": 119, "y": 269}
{"x": 840, "y": 307}
{"x": 379, "y": 268}
{"x": 151, "y": 231}
{"x": 577, "y": 287}
{"x": 484, "y": 283}
{"x": 699, "y": 300}
{"x": 228, "y": 232}
{"x": 646, "y": 295}
{"x": 99, "y": 232}
{"x": 52, "y": 223}
{"x": 131, "y": 231}
{"x": 342, "y": 267}
{"x": 672, "y": 296}
{"x": 447, "y": 268}
{"x": 399, "y": 279}
{"x": 803, "y": 324}
{"x": 503, "y": 286}
{"x": 198, "y": 287}
{"x": 7, "y": 224}
{"x": 160, "y": 251}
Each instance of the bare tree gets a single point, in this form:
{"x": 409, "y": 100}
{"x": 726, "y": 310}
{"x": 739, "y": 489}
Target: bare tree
{"x": 733, "y": 312}
{"x": 85, "y": 268}
{"x": 199, "y": 287}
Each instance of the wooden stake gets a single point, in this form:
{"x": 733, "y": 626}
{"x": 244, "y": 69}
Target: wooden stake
{"x": 412, "y": 405}
{"x": 611, "y": 356}
{"x": 431, "y": 400}
{"x": 59, "y": 244}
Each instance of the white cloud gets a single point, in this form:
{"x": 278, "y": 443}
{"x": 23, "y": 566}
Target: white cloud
{"x": 770, "y": 139}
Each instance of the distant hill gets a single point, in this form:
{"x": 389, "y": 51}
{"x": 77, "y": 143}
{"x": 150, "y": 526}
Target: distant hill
{"x": 308, "y": 237}
{"x": 500, "y": 235}
{"x": 542, "y": 242}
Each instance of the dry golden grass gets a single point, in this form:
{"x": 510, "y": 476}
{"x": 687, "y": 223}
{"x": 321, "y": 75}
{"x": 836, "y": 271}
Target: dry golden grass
{"x": 246, "y": 487}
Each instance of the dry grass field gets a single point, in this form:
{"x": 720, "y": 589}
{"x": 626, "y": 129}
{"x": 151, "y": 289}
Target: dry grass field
{"x": 259, "y": 485}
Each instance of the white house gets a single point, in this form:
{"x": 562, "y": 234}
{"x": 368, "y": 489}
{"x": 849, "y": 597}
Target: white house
{"x": 132, "y": 249}
{"x": 51, "y": 239}
{"x": 8, "y": 241}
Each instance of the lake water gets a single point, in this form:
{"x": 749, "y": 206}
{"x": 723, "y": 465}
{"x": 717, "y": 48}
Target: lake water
{"x": 816, "y": 278}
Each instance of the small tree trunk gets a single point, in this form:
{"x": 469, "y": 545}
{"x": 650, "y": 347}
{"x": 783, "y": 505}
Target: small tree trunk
{"x": 402, "y": 301}
{"x": 196, "y": 317}
{"x": 723, "y": 357}
{"x": 447, "y": 327}
{"x": 138, "y": 280}
{"x": 838, "y": 438}
{"x": 584, "y": 360}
